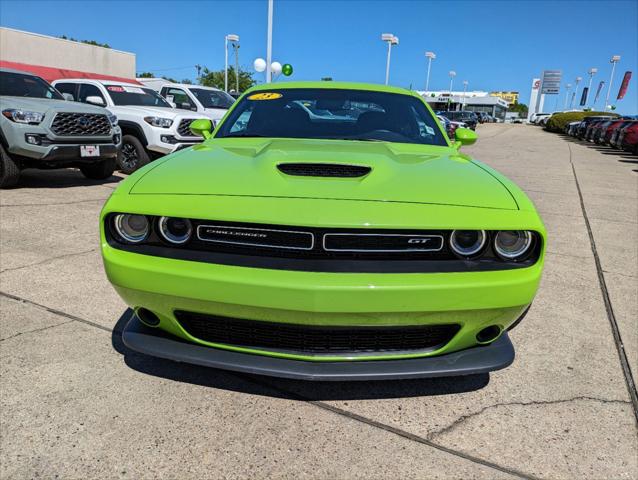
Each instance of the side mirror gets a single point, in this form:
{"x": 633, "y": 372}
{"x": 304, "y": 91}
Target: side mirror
{"x": 202, "y": 127}
{"x": 68, "y": 97}
{"x": 95, "y": 100}
{"x": 464, "y": 136}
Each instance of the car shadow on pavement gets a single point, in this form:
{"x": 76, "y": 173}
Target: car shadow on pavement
{"x": 62, "y": 178}
{"x": 285, "y": 388}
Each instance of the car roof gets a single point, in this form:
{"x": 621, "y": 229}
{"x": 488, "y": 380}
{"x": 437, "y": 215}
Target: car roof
{"x": 190, "y": 85}
{"x": 374, "y": 87}
{"x": 97, "y": 80}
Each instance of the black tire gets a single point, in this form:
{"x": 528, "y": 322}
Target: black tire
{"x": 132, "y": 155}
{"x": 99, "y": 170}
{"x": 9, "y": 170}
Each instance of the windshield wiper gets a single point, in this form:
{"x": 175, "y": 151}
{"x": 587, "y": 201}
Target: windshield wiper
{"x": 245, "y": 135}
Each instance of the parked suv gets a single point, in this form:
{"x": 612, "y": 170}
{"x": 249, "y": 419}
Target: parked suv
{"x": 209, "y": 101}
{"x": 151, "y": 127}
{"x": 40, "y": 129}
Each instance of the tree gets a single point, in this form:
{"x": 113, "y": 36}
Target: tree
{"x": 216, "y": 79}
{"x": 187, "y": 81}
{"x": 518, "y": 107}
{"x": 151, "y": 75}
{"x": 88, "y": 42}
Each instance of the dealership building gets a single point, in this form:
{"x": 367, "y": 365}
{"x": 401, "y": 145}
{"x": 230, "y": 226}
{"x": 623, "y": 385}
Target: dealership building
{"x": 474, "y": 101}
{"x": 53, "y": 58}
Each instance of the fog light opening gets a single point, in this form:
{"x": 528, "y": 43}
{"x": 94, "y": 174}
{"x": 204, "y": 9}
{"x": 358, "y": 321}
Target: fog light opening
{"x": 489, "y": 334}
{"x": 147, "y": 317}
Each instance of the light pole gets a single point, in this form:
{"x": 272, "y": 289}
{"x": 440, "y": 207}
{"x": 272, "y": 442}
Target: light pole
{"x": 236, "y": 48}
{"x": 465, "y": 82}
{"x": 269, "y": 44}
{"x": 569, "y": 85}
{"x": 233, "y": 38}
{"x": 390, "y": 39}
{"x": 592, "y": 71}
{"x": 614, "y": 60}
{"x": 452, "y": 75}
{"x": 578, "y": 79}
{"x": 430, "y": 56}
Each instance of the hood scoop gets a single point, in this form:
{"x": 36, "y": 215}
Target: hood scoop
{"x": 324, "y": 170}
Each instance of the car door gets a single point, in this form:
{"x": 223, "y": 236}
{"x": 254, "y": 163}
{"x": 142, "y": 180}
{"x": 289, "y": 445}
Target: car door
{"x": 180, "y": 98}
{"x": 67, "y": 87}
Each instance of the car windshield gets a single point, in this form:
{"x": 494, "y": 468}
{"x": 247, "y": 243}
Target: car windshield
{"x": 23, "y": 85}
{"x": 213, "y": 98}
{"x": 328, "y": 113}
{"x": 137, "y": 96}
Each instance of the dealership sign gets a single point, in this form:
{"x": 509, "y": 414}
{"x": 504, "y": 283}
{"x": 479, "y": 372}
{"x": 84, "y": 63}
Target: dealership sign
{"x": 551, "y": 82}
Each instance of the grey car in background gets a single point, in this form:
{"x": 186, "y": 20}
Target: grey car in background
{"x": 40, "y": 129}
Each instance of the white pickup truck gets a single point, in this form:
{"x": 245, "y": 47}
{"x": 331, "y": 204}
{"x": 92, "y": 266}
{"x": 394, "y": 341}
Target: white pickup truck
{"x": 209, "y": 101}
{"x": 151, "y": 127}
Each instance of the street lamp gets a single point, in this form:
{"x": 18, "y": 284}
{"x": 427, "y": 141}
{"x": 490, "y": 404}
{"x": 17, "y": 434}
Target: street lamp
{"x": 430, "y": 56}
{"x": 569, "y": 85}
{"x": 465, "y": 82}
{"x": 592, "y": 71}
{"x": 452, "y": 74}
{"x": 578, "y": 79}
{"x": 232, "y": 38}
{"x": 390, "y": 39}
{"x": 614, "y": 60}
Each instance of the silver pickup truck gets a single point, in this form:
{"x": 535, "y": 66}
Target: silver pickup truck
{"x": 40, "y": 129}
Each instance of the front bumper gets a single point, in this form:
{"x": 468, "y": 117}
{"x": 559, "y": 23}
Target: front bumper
{"x": 480, "y": 359}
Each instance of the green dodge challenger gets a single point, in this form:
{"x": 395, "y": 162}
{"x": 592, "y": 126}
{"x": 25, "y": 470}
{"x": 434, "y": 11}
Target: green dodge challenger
{"x": 324, "y": 231}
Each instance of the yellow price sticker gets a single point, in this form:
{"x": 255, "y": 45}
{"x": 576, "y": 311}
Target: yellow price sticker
{"x": 265, "y": 96}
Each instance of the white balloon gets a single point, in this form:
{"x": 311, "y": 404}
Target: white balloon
{"x": 259, "y": 64}
{"x": 275, "y": 67}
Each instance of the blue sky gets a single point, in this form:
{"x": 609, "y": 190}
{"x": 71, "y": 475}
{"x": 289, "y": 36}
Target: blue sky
{"x": 495, "y": 45}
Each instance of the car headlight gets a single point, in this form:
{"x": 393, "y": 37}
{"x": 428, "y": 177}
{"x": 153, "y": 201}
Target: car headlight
{"x": 113, "y": 120}
{"x": 159, "y": 121}
{"x": 132, "y": 228}
{"x": 512, "y": 244}
{"x": 175, "y": 230}
{"x": 23, "y": 116}
{"x": 467, "y": 243}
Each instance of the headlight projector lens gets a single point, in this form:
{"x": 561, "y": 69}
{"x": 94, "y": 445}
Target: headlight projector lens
{"x": 467, "y": 243}
{"x": 132, "y": 228}
{"x": 512, "y": 244}
{"x": 175, "y": 230}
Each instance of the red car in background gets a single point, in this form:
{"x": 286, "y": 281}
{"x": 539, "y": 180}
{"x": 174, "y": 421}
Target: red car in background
{"x": 628, "y": 138}
{"x": 611, "y": 134}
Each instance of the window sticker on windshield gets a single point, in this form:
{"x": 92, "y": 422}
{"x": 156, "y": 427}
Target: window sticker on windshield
{"x": 429, "y": 130}
{"x": 134, "y": 90}
{"x": 265, "y": 96}
{"x": 115, "y": 88}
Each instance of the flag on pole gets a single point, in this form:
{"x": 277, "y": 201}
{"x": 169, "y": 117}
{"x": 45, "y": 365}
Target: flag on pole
{"x": 624, "y": 85}
{"x": 600, "y": 87}
{"x": 583, "y": 98}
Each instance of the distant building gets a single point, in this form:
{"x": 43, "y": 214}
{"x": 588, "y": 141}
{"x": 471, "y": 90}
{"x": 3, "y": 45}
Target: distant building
{"x": 509, "y": 97}
{"x": 54, "y": 58}
{"x": 474, "y": 101}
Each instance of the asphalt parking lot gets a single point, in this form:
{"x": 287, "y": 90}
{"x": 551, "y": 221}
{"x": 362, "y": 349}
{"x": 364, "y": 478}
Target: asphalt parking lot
{"x": 75, "y": 403}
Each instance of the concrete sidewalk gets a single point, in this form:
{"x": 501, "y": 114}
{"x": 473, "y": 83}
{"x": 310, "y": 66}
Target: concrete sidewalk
{"x": 75, "y": 403}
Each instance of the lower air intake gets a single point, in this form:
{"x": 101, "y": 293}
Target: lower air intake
{"x": 312, "y": 339}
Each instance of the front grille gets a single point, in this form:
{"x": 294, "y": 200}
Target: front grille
{"x": 81, "y": 124}
{"x": 312, "y": 339}
{"x": 184, "y": 128}
{"x": 381, "y": 242}
{"x": 323, "y": 170}
{"x": 256, "y": 237}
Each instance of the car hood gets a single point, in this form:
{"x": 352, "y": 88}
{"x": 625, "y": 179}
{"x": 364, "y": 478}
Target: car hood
{"x": 399, "y": 173}
{"x": 149, "y": 111}
{"x": 43, "y": 105}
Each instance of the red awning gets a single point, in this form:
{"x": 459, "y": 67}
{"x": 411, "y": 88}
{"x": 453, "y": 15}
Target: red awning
{"x": 52, "y": 73}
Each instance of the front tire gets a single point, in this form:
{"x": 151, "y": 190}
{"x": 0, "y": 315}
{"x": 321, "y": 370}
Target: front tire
{"x": 9, "y": 170}
{"x": 99, "y": 170}
{"x": 132, "y": 155}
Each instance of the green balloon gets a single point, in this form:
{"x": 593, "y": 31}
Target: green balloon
{"x": 286, "y": 69}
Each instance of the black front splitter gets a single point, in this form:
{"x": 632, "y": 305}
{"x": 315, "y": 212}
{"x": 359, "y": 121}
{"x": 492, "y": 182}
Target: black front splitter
{"x": 480, "y": 359}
